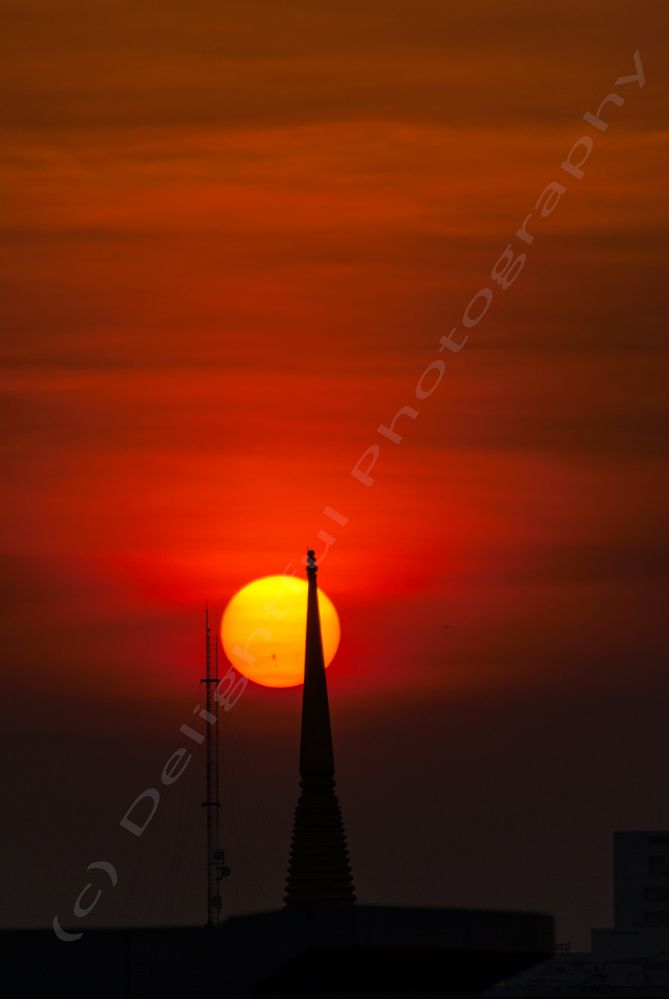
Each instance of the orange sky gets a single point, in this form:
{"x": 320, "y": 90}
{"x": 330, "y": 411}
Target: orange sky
{"x": 231, "y": 241}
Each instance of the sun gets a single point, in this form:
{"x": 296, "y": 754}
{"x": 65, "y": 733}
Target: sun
{"x": 263, "y": 630}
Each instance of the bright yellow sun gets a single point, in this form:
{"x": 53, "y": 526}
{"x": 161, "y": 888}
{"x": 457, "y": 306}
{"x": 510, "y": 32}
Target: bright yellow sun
{"x": 263, "y": 630}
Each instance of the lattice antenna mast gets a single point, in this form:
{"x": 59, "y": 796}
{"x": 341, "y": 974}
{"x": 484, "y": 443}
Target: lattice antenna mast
{"x": 216, "y": 869}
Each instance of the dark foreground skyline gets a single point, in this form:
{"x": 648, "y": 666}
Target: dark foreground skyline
{"x": 506, "y": 859}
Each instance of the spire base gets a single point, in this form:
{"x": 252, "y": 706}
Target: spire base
{"x": 318, "y": 869}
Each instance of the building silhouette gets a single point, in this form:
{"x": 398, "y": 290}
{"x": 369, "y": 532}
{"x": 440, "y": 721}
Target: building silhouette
{"x": 640, "y": 898}
{"x": 322, "y": 942}
{"x": 641, "y": 880}
{"x": 631, "y": 958}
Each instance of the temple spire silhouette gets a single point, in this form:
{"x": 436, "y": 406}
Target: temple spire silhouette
{"x": 318, "y": 871}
